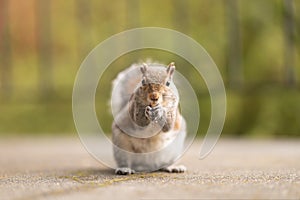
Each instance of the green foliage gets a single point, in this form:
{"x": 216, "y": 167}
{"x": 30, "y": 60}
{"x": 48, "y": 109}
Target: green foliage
{"x": 36, "y": 118}
{"x": 261, "y": 107}
{"x": 263, "y": 112}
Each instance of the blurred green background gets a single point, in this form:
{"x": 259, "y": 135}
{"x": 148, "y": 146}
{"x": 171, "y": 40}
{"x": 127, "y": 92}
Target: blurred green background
{"x": 255, "y": 45}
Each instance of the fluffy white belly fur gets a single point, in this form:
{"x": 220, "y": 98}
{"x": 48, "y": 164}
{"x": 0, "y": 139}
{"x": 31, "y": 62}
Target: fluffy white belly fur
{"x": 149, "y": 154}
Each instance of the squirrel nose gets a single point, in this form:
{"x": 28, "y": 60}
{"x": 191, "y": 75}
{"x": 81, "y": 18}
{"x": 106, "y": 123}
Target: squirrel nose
{"x": 154, "y": 96}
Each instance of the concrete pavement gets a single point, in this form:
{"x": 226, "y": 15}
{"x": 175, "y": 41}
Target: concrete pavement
{"x": 60, "y": 168}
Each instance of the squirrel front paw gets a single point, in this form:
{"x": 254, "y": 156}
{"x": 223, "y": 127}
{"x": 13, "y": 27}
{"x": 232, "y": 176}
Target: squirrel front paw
{"x": 154, "y": 113}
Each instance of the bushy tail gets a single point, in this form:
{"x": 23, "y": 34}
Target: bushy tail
{"x": 123, "y": 87}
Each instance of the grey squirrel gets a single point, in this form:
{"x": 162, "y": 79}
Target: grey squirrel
{"x": 147, "y": 120}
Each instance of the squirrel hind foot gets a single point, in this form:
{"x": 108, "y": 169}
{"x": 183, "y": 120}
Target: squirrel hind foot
{"x": 174, "y": 169}
{"x": 124, "y": 171}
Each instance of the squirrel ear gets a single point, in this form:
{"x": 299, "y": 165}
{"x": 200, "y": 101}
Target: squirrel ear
{"x": 171, "y": 69}
{"x": 144, "y": 68}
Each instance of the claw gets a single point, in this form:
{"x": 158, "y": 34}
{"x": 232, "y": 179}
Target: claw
{"x": 124, "y": 171}
{"x": 154, "y": 113}
{"x": 174, "y": 169}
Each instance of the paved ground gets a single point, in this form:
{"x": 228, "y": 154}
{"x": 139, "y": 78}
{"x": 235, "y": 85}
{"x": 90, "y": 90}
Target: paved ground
{"x": 49, "y": 168}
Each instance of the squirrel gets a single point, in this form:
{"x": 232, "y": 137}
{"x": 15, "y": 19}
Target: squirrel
{"x": 145, "y": 104}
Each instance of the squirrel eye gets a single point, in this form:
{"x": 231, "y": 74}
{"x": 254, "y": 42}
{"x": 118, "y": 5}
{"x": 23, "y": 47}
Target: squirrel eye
{"x": 143, "y": 82}
{"x": 168, "y": 83}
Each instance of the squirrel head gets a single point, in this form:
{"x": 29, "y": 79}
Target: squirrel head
{"x": 155, "y": 83}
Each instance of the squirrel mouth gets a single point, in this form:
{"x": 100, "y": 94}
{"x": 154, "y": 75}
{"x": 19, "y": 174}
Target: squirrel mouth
{"x": 153, "y": 103}
{"x": 154, "y": 100}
